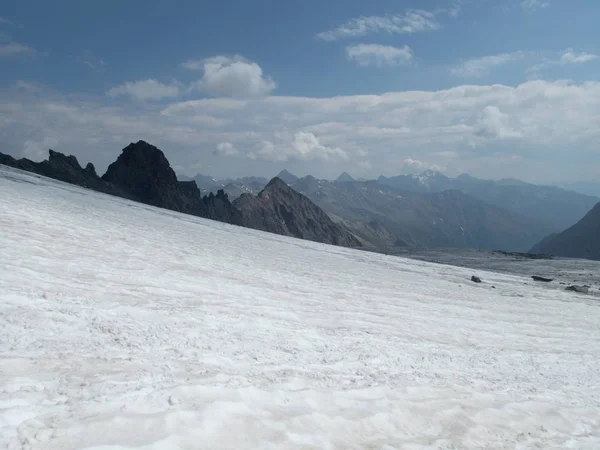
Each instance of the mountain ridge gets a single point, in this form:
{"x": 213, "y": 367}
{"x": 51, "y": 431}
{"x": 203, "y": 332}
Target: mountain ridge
{"x": 582, "y": 240}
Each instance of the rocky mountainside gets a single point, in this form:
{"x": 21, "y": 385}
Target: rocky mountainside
{"x": 558, "y": 207}
{"x": 280, "y": 209}
{"x": 67, "y": 169}
{"x": 141, "y": 173}
{"x": 582, "y": 240}
{"x": 382, "y": 214}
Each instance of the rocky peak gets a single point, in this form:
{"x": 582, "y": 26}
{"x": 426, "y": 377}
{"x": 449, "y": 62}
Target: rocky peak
{"x": 90, "y": 169}
{"x": 277, "y": 183}
{"x": 57, "y": 158}
{"x": 141, "y": 159}
{"x": 288, "y": 177}
{"x": 345, "y": 177}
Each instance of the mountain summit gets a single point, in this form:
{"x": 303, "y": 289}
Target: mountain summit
{"x": 288, "y": 177}
{"x": 280, "y": 209}
{"x": 345, "y": 177}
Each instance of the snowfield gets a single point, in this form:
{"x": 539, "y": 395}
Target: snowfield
{"x": 124, "y": 326}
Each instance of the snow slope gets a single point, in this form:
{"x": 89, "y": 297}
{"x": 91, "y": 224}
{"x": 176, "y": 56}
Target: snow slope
{"x": 123, "y": 326}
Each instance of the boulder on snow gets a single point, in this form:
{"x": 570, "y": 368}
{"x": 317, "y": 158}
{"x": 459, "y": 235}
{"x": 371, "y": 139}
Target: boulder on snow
{"x": 543, "y": 279}
{"x": 580, "y": 289}
{"x": 475, "y": 279}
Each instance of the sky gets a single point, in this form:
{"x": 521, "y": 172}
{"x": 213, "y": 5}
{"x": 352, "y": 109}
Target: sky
{"x": 493, "y": 88}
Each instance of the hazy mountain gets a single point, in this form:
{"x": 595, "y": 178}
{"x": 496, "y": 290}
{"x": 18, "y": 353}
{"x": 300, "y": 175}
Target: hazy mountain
{"x": 280, "y": 209}
{"x": 582, "y": 240}
{"x": 207, "y": 183}
{"x": 345, "y": 176}
{"x": 558, "y": 207}
{"x": 288, "y": 177}
{"x": 583, "y": 187}
{"x": 445, "y": 219}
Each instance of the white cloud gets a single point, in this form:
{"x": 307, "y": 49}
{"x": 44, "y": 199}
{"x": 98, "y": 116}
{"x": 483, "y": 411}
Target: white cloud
{"x": 494, "y": 123}
{"x": 570, "y": 57}
{"x": 479, "y": 67}
{"x": 304, "y": 146}
{"x": 225, "y": 149}
{"x": 413, "y": 21}
{"x": 532, "y": 5}
{"x": 145, "y": 90}
{"x": 566, "y": 57}
{"x": 379, "y": 55}
{"x": 415, "y": 165}
{"x": 4, "y": 21}
{"x": 537, "y": 122}
{"x": 15, "y": 49}
{"x": 231, "y": 77}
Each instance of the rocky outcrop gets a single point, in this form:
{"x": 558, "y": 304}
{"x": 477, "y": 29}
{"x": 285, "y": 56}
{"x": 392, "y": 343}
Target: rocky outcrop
{"x": 280, "y": 209}
{"x": 64, "y": 168}
{"x": 582, "y": 240}
{"x": 141, "y": 173}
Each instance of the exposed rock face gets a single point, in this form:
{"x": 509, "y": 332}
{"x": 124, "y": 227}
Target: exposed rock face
{"x": 141, "y": 173}
{"x": 279, "y": 209}
{"x": 582, "y": 240}
{"x": 144, "y": 171}
{"x": 64, "y": 168}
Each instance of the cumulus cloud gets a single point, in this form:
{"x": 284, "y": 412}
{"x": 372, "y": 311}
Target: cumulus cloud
{"x": 379, "y": 55}
{"x": 412, "y": 21}
{"x": 479, "y": 67}
{"x": 145, "y": 90}
{"x": 11, "y": 49}
{"x": 304, "y": 146}
{"x": 495, "y": 124}
{"x": 231, "y": 77}
{"x": 225, "y": 149}
{"x": 537, "y": 121}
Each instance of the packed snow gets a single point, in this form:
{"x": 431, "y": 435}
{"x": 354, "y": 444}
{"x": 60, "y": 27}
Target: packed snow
{"x": 123, "y": 326}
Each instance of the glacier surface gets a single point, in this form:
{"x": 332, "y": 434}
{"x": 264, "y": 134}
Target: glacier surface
{"x": 124, "y": 326}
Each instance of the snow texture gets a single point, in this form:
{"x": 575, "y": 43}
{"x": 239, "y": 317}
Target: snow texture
{"x": 123, "y": 326}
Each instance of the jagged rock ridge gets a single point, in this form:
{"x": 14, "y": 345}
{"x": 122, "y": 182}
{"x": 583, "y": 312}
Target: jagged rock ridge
{"x": 280, "y": 209}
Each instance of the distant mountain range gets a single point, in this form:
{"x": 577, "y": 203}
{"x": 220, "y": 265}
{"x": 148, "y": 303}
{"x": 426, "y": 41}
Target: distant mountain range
{"x": 558, "y": 207}
{"x": 393, "y": 212}
{"x": 582, "y": 240}
{"x": 387, "y": 214}
{"x": 388, "y": 217}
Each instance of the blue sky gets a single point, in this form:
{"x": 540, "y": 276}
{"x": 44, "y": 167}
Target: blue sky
{"x": 493, "y": 88}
